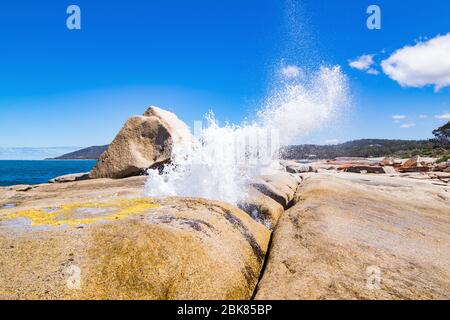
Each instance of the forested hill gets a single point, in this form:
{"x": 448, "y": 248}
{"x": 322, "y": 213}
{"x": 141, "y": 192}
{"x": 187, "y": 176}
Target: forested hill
{"x": 364, "y": 148}
{"x": 357, "y": 148}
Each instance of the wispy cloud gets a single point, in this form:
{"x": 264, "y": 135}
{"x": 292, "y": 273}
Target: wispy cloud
{"x": 423, "y": 116}
{"x": 426, "y": 63}
{"x": 398, "y": 117}
{"x": 444, "y": 116}
{"x": 407, "y": 125}
{"x": 291, "y": 71}
{"x": 34, "y": 153}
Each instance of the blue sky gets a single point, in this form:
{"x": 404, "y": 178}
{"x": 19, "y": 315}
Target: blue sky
{"x": 76, "y": 88}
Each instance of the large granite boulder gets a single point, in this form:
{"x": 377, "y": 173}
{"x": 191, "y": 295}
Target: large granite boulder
{"x": 417, "y": 164}
{"x": 95, "y": 240}
{"x": 144, "y": 142}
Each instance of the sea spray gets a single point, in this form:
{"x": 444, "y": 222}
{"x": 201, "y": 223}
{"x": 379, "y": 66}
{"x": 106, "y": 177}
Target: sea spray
{"x": 217, "y": 166}
{"x": 224, "y": 159}
{"x": 299, "y": 106}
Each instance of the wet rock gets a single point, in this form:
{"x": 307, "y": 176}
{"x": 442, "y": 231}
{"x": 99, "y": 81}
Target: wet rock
{"x": 262, "y": 208}
{"x": 280, "y": 186}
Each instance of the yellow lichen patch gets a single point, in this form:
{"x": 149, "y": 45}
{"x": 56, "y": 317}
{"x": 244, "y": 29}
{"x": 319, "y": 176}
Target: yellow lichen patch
{"x": 66, "y": 214}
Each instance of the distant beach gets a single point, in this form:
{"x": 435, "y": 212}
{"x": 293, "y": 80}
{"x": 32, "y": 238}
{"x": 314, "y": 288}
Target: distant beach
{"x": 13, "y": 172}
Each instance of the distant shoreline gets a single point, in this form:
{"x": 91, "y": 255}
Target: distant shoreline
{"x": 49, "y": 159}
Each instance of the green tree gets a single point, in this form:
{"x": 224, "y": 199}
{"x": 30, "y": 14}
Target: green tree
{"x": 442, "y": 135}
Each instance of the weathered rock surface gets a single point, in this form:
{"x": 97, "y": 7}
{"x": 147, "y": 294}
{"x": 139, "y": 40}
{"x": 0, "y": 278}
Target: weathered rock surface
{"x": 379, "y": 165}
{"x": 344, "y": 162}
{"x": 347, "y": 225}
{"x": 20, "y": 187}
{"x": 417, "y": 164}
{"x": 389, "y": 170}
{"x": 418, "y": 161}
{"x": 295, "y": 167}
{"x": 99, "y": 239}
{"x": 70, "y": 177}
{"x": 441, "y": 166}
{"x": 143, "y": 142}
{"x": 388, "y": 161}
{"x": 279, "y": 186}
{"x": 361, "y": 169}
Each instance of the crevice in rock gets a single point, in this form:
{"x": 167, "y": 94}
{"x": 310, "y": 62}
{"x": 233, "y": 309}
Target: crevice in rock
{"x": 292, "y": 203}
{"x": 263, "y": 267}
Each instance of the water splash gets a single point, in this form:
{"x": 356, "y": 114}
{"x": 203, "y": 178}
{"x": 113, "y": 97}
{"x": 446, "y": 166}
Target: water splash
{"x": 225, "y": 158}
{"x": 299, "y": 106}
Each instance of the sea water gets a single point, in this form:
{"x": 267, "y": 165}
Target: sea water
{"x": 14, "y": 172}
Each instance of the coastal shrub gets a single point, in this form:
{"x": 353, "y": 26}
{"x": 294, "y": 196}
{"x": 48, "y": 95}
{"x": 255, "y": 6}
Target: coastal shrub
{"x": 444, "y": 158}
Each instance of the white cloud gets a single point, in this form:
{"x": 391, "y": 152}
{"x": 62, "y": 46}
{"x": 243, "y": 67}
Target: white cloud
{"x": 407, "y": 125}
{"x": 291, "y": 71}
{"x": 426, "y": 63}
{"x": 362, "y": 63}
{"x": 398, "y": 117}
{"x": 332, "y": 141}
{"x": 423, "y": 116}
{"x": 444, "y": 116}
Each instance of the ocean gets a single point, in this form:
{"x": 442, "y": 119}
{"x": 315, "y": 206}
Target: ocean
{"x": 14, "y": 172}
